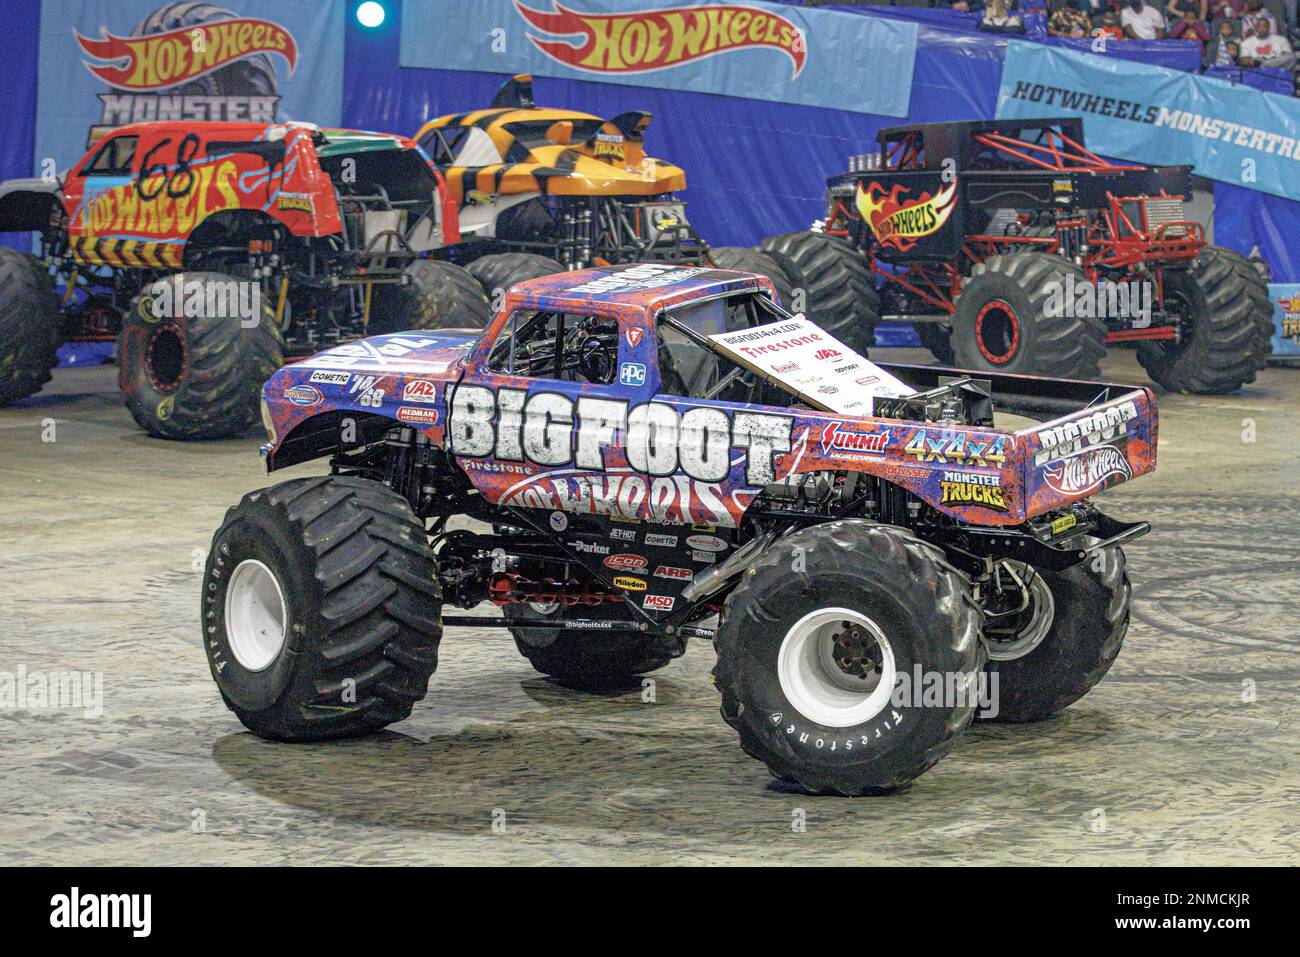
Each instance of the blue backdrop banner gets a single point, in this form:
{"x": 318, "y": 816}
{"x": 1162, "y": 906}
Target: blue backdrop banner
{"x": 759, "y": 51}
{"x": 105, "y": 63}
{"x": 1160, "y": 117}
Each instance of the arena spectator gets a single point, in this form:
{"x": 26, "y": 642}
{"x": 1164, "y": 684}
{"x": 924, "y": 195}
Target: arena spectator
{"x": 1176, "y": 9}
{"x": 1255, "y": 12}
{"x": 1189, "y": 27}
{"x": 1229, "y": 9}
{"x": 1068, "y": 19}
{"x": 1218, "y": 53}
{"x": 998, "y": 20}
{"x": 1266, "y": 48}
{"x": 1110, "y": 28}
{"x": 1142, "y": 21}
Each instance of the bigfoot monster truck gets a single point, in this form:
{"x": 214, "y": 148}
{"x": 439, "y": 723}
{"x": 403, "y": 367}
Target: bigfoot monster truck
{"x": 1012, "y": 248}
{"x": 542, "y": 190}
{"x": 211, "y": 251}
{"x": 662, "y": 452}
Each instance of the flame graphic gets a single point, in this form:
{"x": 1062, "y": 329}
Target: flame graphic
{"x": 900, "y": 224}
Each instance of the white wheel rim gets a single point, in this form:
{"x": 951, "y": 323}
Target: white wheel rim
{"x": 1031, "y": 635}
{"x": 255, "y": 615}
{"x": 810, "y": 666}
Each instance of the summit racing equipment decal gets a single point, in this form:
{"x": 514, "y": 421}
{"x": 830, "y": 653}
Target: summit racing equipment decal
{"x": 972, "y": 488}
{"x": 1069, "y": 438}
{"x": 160, "y": 61}
{"x": 900, "y": 223}
{"x": 641, "y": 41}
{"x": 1088, "y": 471}
{"x": 839, "y": 441}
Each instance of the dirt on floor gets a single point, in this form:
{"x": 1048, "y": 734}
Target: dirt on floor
{"x": 1187, "y": 753}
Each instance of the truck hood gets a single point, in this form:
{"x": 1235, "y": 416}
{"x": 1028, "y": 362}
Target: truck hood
{"x": 401, "y": 353}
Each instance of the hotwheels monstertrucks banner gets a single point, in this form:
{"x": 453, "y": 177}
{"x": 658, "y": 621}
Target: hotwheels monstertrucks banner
{"x": 761, "y": 51}
{"x": 807, "y": 359}
{"x": 106, "y": 63}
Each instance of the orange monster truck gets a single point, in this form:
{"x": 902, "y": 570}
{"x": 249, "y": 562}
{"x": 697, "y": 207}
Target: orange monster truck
{"x": 213, "y": 251}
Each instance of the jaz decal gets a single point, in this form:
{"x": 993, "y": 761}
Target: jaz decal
{"x": 646, "y": 40}
{"x": 1088, "y": 471}
{"x": 420, "y": 390}
{"x": 898, "y": 222}
{"x": 972, "y": 488}
{"x": 551, "y": 429}
{"x": 839, "y": 441}
{"x": 1102, "y": 427}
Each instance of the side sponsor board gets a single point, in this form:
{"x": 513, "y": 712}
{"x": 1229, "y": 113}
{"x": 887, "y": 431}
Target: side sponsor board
{"x": 1159, "y": 116}
{"x": 800, "y": 354}
{"x": 775, "y": 52}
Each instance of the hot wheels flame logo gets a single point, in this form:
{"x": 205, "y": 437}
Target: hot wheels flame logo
{"x": 1088, "y": 471}
{"x": 647, "y": 40}
{"x": 1290, "y": 317}
{"x": 162, "y": 60}
{"x": 900, "y": 224}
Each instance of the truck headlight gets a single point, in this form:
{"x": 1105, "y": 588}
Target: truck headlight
{"x": 267, "y": 422}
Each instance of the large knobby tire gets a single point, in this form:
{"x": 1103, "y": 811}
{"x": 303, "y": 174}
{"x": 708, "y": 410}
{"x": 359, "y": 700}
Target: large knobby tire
{"x": 824, "y": 620}
{"x": 196, "y": 373}
{"x": 1218, "y": 350}
{"x": 1062, "y": 645}
{"x": 743, "y": 259}
{"x": 839, "y": 291}
{"x": 321, "y": 613}
{"x": 29, "y": 325}
{"x": 1257, "y": 289}
{"x": 590, "y": 659}
{"x": 440, "y": 295}
{"x": 937, "y": 337}
{"x": 1002, "y": 322}
{"x": 498, "y": 272}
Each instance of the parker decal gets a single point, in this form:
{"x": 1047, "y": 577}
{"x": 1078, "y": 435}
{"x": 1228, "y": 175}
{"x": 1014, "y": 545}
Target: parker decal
{"x": 898, "y": 222}
{"x": 647, "y": 40}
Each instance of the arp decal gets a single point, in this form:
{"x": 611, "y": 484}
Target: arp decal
{"x": 1088, "y": 471}
{"x": 972, "y": 488}
{"x": 1102, "y": 427}
{"x": 674, "y": 573}
{"x": 639, "y": 41}
{"x": 900, "y": 223}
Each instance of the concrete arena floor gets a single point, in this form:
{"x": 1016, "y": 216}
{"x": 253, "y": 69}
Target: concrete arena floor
{"x": 101, "y": 537}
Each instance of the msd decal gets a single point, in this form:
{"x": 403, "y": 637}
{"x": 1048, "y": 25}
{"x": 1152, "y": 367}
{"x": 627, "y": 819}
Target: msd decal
{"x": 646, "y": 40}
{"x": 659, "y": 602}
{"x": 898, "y": 222}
